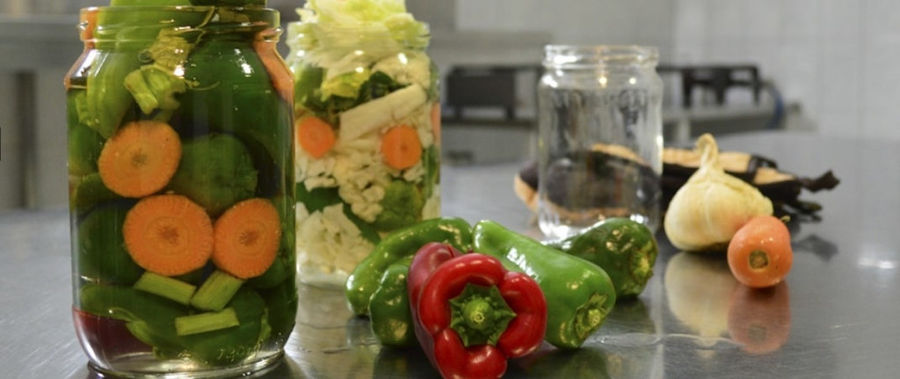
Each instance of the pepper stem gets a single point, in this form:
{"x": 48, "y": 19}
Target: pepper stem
{"x": 479, "y": 315}
{"x": 758, "y": 259}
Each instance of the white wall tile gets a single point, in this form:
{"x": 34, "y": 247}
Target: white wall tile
{"x": 727, "y": 21}
{"x": 841, "y": 81}
{"x": 798, "y": 73}
{"x": 477, "y": 15}
{"x": 763, "y": 21}
{"x": 881, "y": 71}
{"x": 880, "y": 123}
{"x": 726, "y": 51}
{"x": 840, "y": 21}
{"x": 839, "y": 123}
{"x": 882, "y": 17}
{"x": 800, "y": 19}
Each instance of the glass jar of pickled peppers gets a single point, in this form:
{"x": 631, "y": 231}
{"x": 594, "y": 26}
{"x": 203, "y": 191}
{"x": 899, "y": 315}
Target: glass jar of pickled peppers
{"x": 181, "y": 189}
{"x": 367, "y": 124}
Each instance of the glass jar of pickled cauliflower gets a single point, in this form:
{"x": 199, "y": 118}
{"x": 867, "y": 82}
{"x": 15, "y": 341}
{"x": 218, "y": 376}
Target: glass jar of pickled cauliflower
{"x": 367, "y": 124}
{"x": 181, "y": 190}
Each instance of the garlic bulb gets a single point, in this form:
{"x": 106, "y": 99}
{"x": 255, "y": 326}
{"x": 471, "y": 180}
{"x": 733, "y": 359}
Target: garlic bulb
{"x": 707, "y": 210}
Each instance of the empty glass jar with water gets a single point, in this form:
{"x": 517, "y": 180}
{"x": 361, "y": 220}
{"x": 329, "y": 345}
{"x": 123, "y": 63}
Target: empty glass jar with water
{"x": 600, "y": 137}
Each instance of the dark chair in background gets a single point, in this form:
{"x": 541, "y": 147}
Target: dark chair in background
{"x": 715, "y": 78}
{"x": 488, "y": 86}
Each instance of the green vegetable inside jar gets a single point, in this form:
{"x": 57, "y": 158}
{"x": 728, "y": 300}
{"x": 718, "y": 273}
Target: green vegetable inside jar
{"x": 181, "y": 188}
{"x": 367, "y": 124}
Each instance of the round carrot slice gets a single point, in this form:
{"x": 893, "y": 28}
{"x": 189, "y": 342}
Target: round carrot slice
{"x": 168, "y": 235}
{"x": 247, "y": 238}
{"x": 401, "y": 147}
{"x": 315, "y": 136}
{"x": 140, "y": 159}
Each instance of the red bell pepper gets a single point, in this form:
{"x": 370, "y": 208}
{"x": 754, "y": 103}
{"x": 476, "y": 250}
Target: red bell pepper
{"x": 471, "y": 314}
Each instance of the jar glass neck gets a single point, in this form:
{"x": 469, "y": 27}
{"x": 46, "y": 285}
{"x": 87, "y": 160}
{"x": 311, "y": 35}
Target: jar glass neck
{"x": 592, "y": 57}
{"x": 136, "y": 24}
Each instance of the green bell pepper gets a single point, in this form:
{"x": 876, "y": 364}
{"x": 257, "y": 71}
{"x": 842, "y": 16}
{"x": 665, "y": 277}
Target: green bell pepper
{"x": 363, "y": 282}
{"x": 274, "y": 275}
{"x": 150, "y": 318}
{"x": 282, "y": 304}
{"x": 625, "y": 249}
{"x": 89, "y": 192}
{"x": 255, "y": 114}
{"x": 389, "y": 312}
{"x": 579, "y": 294}
{"x": 227, "y": 346}
{"x": 101, "y": 247}
{"x": 122, "y": 37}
{"x": 85, "y": 144}
{"x": 108, "y": 101}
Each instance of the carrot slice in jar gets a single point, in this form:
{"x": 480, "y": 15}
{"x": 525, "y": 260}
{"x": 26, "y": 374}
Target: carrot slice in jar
{"x": 247, "y": 237}
{"x": 315, "y": 136}
{"x": 140, "y": 159}
{"x": 401, "y": 147}
{"x": 168, "y": 235}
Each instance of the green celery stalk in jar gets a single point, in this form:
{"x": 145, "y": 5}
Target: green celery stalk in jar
{"x": 367, "y": 128}
{"x": 181, "y": 188}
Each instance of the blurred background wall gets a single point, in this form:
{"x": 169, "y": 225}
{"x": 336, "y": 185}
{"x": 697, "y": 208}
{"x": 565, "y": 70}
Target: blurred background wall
{"x": 830, "y": 65}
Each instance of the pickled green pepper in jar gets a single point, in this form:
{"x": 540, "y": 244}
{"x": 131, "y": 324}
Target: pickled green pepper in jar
{"x": 181, "y": 188}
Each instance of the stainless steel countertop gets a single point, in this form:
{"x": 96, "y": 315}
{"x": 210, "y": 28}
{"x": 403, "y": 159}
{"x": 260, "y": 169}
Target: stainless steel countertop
{"x": 835, "y": 317}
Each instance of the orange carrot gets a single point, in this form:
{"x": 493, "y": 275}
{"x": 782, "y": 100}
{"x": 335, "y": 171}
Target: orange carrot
{"x": 401, "y": 147}
{"x": 140, "y": 159}
{"x": 247, "y": 238}
{"x": 436, "y": 122}
{"x": 279, "y": 74}
{"x": 759, "y": 254}
{"x": 168, "y": 235}
{"x": 315, "y": 136}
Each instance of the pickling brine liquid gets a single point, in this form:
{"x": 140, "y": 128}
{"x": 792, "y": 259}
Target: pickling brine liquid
{"x": 181, "y": 191}
{"x": 598, "y": 155}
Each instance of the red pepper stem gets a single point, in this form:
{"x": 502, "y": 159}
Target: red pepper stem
{"x": 480, "y": 315}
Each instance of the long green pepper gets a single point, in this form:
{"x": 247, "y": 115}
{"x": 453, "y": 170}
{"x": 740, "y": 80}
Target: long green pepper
{"x": 389, "y": 312}
{"x": 402, "y": 243}
{"x": 579, "y": 294}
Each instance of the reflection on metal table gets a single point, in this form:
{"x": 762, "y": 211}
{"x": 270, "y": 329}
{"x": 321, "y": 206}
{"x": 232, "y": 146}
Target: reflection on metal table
{"x": 834, "y": 317}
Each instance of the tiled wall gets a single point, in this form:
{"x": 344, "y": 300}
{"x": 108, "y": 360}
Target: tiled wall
{"x": 646, "y": 22}
{"x": 839, "y": 58}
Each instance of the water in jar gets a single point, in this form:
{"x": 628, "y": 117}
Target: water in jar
{"x": 599, "y": 148}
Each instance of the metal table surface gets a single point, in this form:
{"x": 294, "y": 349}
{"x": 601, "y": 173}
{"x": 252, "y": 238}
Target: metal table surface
{"x": 836, "y": 316}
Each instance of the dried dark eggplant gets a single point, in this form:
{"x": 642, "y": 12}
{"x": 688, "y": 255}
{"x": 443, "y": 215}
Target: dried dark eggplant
{"x": 782, "y": 188}
{"x": 597, "y": 175}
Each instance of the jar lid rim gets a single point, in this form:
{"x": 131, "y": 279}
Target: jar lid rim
{"x": 576, "y": 56}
